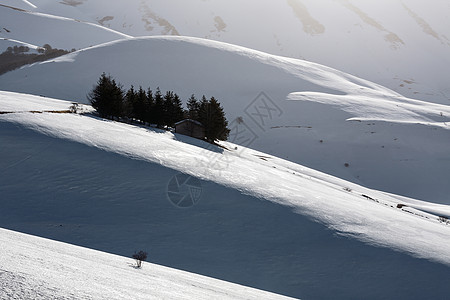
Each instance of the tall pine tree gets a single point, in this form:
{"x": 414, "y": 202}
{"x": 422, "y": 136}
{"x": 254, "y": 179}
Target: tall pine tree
{"x": 130, "y": 103}
{"x": 173, "y": 110}
{"x": 158, "y": 108}
{"x": 107, "y": 97}
{"x": 212, "y": 116}
{"x": 178, "y": 113}
{"x": 141, "y": 104}
{"x": 149, "y": 107}
{"x": 193, "y": 107}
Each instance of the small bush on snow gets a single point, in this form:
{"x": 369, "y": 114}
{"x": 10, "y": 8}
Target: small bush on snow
{"x": 139, "y": 257}
{"x": 444, "y": 220}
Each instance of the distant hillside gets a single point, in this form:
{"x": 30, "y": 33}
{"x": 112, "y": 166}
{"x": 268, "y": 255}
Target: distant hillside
{"x": 404, "y": 45}
{"x": 18, "y": 56}
{"x": 258, "y": 220}
{"x": 39, "y": 29}
{"x": 78, "y": 273}
{"x": 297, "y": 110}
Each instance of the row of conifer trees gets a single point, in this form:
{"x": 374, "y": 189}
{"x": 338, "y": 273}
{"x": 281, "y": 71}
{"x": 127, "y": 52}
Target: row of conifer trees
{"x": 163, "y": 110}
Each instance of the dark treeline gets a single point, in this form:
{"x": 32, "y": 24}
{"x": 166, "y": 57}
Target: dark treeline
{"x": 17, "y": 56}
{"x": 110, "y": 100}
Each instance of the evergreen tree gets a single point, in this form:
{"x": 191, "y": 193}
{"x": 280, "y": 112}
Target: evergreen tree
{"x": 219, "y": 128}
{"x": 141, "y": 105}
{"x": 193, "y": 107}
{"x": 158, "y": 109}
{"x": 107, "y": 97}
{"x": 130, "y": 103}
{"x": 149, "y": 107}
{"x": 168, "y": 108}
{"x": 203, "y": 109}
{"x": 203, "y": 112}
{"x": 116, "y": 100}
{"x": 212, "y": 116}
{"x": 173, "y": 110}
{"x": 97, "y": 96}
{"x": 178, "y": 113}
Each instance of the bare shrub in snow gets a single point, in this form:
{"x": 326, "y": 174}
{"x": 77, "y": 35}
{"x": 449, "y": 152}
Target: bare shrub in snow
{"x": 444, "y": 220}
{"x": 139, "y": 257}
{"x": 74, "y": 108}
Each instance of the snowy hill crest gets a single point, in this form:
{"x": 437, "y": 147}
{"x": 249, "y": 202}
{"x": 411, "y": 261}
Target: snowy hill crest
{"x": 253, "y": 230}
{"x": 405, "y": 49}
{"x": 317, "y": 103}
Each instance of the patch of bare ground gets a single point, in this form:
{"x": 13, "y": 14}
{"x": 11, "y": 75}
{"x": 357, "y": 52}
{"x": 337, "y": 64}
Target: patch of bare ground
{"x": 73, "y": 3}
{"x": 390, "y": 37}
{"x": 310, "y": 25}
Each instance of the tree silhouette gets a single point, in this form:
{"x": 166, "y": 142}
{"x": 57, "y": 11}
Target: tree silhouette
{"x": 193, "y": 107}
{"x": 158, "y": 109}
{"x": 173, "y": 110}
{"x": 141, "y": 105}
{"x": 130, "y": 104}
{"x": 212, "y": 116}
{"x": 107, "y": 97}
{"x": 139, "y": 257}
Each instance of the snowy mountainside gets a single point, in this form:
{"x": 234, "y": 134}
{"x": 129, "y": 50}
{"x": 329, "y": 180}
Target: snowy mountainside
{"x": 59, "y": 32}
{"x": 293, "y": 109}
{"x": 36, "y": 268}
{"x": 6, "y": 43}
{"x": 21, "y": 4}
{"x": 401, "y": 45}
{"x": 70, "y": 178}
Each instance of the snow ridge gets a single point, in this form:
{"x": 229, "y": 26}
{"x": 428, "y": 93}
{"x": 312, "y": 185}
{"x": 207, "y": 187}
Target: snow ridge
{"x": 296, "y": 186}
{"x": 29, "y": 3}
{"x": 253, "y": 225}
{"x": 314, "y": 103}
{"x": 49, "y": 269}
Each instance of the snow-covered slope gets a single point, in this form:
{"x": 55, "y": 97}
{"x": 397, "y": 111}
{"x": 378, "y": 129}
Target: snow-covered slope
{"x": 308, "y": 113}
{"x": 36, "y": 268}
{"x": 39, "y": 29}
{"x": 403, "y": 45}
{"x": 254, "y": 224}
{"x": 6, "y": 43}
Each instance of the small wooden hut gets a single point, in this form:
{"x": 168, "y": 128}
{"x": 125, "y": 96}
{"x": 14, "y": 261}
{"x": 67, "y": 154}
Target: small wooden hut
{"x": 191, "y": 128}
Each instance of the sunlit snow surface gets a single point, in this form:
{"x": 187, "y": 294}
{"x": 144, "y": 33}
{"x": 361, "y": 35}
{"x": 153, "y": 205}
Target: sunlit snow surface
{"x": 293, "y": 109}
{"x": 252, "y": 226}
{"x": 48, "y": 269}
{"x": 403, "y": 45}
